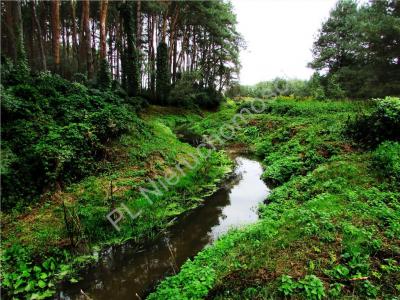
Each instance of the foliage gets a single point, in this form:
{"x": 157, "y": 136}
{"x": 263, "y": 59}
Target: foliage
{"x": 131, "y": 65}
{"x": 104, "y": 76}
{"x": 188, "y": 92}
{"x": 328, "y": 229}
{"x": 379, "y": 123}
{"x": 317, "y": 87}
{"x": 29, "y": 280}
{"x": 312, "y": 287}
{"x": 145, "y": 149}
{"x": 55, "y": 132}
{"x": 357, "y": 47}
{"x": 386, "y": 159}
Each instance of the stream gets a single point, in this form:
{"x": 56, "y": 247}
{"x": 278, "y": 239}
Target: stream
{"x": 126, "y": 272}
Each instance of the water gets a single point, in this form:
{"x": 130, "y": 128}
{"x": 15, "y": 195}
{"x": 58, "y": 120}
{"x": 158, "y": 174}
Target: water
{"x": 126, "y": 272}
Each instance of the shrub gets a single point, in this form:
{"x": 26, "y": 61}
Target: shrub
{"x": 55, "y": 131}
{"x": 312, "y": 287}
{"x": 281, "y": 169}
{"x": 381, "y": 123}
{"x": 104, "y": 76}
{"x": 184, "y": 92}
{"x": 187, "y": 92}
{"x": 386, "y": 159}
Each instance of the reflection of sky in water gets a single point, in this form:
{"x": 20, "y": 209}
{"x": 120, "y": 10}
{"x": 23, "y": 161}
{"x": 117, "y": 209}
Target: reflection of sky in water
{"x": 123, "y": 271}
{"x": 243, "y": 198}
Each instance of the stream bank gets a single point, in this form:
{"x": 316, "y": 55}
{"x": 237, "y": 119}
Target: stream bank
{"x": 125, "y": 271}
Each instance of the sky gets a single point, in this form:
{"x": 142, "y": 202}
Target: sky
{"x": 279, "y": 35}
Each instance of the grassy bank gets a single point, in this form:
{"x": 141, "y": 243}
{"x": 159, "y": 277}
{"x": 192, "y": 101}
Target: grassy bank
{"x": 330, "y": 228}
{"x": 53, "y": 239}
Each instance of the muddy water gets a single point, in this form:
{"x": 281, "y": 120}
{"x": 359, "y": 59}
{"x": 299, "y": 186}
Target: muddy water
{"x": 126, "y": 272}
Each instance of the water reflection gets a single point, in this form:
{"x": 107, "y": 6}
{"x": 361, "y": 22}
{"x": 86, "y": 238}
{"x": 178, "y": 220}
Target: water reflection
{"x": 126, "y": 272}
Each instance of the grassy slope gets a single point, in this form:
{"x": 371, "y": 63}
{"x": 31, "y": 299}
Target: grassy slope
{"x": 331, "y": 226}
{"x": 40, "y": 233}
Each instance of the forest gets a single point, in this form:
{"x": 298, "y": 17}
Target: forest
{"x": 130, "y": 147}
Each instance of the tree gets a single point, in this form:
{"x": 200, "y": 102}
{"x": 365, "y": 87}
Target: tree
{"x": 162, "y": 74}
{"x": 22, "y": 66}
{"x": 39, "y": 36}
{"x": 131, "y": 68}
{"x": 104, "y": 76}
{"x": 357, "y": 49}
{"x": 103, "y": 18}
{"x": 85, "y": 38}
{"x": 76, "y": 36}
{"x": 55, "y": 26}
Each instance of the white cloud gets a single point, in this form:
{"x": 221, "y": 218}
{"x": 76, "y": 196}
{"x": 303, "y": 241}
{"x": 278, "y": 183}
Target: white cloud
{"x": 279, "y": 36}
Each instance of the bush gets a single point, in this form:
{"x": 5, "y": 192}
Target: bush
{"x": 55, "y": 131}
{"x": 281, "y": 169}
{"x": 381, "y": 123}
{"x": 187, "y": 92}
{"x": 386, "y": 159}
{"x": 104, "y": 76}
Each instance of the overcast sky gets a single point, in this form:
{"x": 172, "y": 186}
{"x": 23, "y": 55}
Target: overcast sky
{"x": 279, "y": 36}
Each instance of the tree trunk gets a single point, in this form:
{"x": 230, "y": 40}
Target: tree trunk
{"x": 138, "y": 25}
{"x": 86, "y": 37}
{"x": 12, "y": 51}
{"x": 103, "y": 18}
{"x": 55, "y": 26}
{"x": 39, "y": 37}
{"x": 74, "y": 31}
{"x": 152, "y": 59}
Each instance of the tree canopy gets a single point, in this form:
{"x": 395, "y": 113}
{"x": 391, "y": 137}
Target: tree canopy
{"x": 358, "y": 47}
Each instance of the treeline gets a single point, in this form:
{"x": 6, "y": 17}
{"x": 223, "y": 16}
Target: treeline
{"x": 356, "y": 55}
{"x": 142, "y": 46}
{"x": 273, "y": 88}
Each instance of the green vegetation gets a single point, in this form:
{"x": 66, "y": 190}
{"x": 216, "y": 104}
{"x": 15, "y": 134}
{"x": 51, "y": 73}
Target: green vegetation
{"x": 162, "y": 77}
{"x": 48, "y": 232}
{"x": 81, "y": 140}
{"x": 83, "y": 152}
{"x": 331, "y": 226}
{"x": 54, "y": 132}
{"x": 73, "y": 146}
{"x": 357, "y": 49}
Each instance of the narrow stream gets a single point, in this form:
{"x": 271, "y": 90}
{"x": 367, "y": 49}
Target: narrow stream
{"x": 124, "y": 272}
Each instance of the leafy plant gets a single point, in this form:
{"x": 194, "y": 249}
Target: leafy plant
{"x": 312, "y": 287}
{"x": 287, "y": 285}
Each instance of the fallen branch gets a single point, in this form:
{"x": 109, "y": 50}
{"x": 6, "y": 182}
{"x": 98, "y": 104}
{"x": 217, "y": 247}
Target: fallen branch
{"x": 358, "y": 278}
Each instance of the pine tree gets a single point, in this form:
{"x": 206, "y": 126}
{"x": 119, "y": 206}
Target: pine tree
{"x": 162, "y": 74}
{"x": 22, "y": 66}
{"x": 131, "y": 64}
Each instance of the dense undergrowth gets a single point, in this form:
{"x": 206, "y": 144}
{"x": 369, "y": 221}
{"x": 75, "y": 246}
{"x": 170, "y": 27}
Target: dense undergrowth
{"x": 55, "y": 132}
{"x": 71, "y": 155}
{"x": 330, "y": 229}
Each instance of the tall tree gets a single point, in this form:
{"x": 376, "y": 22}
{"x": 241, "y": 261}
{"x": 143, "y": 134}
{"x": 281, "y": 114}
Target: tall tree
{"x": 103, "y": 18}
{"x": 85, "y": 40}
{"x": 131, "y": 66}
{"x": 39, "y": 36}
{"x": 104, "y": 77}
{"x": 162, "y": 74}
{"x": 55, "y": 26}
{"x": 10, "y": 27}
{"x": 75, "y": 51}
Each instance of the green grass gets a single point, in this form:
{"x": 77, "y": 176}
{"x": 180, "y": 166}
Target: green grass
{"x": 40, "y": 234}
{"x": 330, "y": 228}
